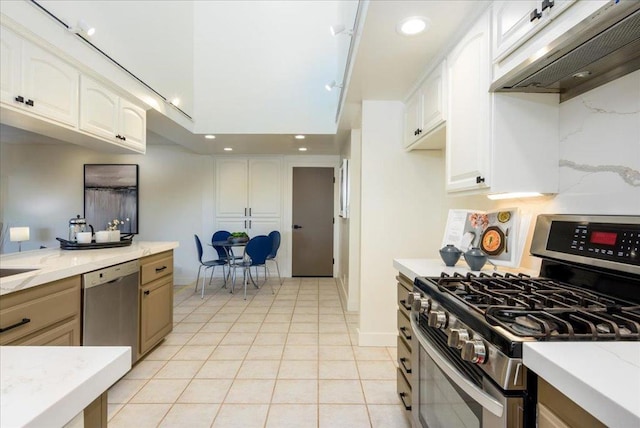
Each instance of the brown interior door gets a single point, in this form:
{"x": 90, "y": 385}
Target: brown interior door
{"x": 312, "y": 252}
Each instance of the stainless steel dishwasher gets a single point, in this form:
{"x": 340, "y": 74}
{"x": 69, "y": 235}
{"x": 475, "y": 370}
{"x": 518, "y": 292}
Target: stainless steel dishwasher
{"x": 110, "y": 307}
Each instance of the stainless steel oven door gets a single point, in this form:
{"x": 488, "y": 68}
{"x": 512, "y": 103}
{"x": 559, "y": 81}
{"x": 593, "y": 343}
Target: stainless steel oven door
{"x": 443, "y": 396}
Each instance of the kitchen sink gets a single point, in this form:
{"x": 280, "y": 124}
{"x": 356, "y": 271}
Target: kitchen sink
{"x": 9, "y": 272}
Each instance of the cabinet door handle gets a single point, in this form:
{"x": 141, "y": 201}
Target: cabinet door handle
{"x": 19, "y": 99}
{"x": 479, "y": 179}
{"x": 535, "y": 15}
{"x": 124, "y": 138}
{"x": 402, "y": 395}
{"x": 146, "y": 292}
{"x": 245, "y": 214}
{"x": 245, "y": 224}
{"x": 160, "y": 269}
{"x": 18, "y": 324}
{"x": 249, "y": 224}
{"x": 419, "y": 131}
{"x": 404, "y": 366}
{"x": 403, "y": 303}
{"x": 403, "y": 330}
{"x": 547, "y": 4}
{"x": 249, "y": 211}
{"x": 29, "y": 103}
{"x": 297, "y": 226}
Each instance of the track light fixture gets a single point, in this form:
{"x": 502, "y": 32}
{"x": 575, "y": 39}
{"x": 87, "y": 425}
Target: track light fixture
{"x": 338, "y": 29}
{"x": 329, "y": 86}
{"x": 84, "y": 28}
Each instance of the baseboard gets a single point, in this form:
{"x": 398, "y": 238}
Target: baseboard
{"x": 377, "y": 339}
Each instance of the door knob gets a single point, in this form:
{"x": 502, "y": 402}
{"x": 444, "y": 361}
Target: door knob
{"x": 297, "y": 226}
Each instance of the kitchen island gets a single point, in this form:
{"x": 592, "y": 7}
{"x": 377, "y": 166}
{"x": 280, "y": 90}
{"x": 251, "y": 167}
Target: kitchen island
{"x": 54, "y": 264}
{"x": 49, "y": 386}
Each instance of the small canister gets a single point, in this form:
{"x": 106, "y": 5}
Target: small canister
{"x": 76, "y": 225}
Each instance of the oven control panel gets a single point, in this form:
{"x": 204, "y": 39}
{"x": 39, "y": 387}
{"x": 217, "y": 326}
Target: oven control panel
{"x": 605, "y": 241}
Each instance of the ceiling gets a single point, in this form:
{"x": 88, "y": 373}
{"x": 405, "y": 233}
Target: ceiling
{"x": 252, "y": 72}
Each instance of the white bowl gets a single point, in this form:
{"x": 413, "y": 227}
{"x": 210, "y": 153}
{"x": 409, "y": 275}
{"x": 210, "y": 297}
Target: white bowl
{"x": 84, "y": 237}
{"x": 114, "y": 236}
{"x": 102, "y": 236}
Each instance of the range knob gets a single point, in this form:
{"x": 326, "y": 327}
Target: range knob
{"x": 437, "y": 319}
{"x": 421, "y": 306}
{"x": 457, "y": 337}
{"x": 412, "y": 297}
{"x": 474, "y": 351}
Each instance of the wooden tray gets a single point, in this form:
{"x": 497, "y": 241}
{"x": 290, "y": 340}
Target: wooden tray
{"x": 125, "y": 241}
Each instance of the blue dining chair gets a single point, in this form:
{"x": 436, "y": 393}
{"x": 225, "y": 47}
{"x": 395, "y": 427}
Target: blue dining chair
{"x": 275, "y": 245}
{"x": 224, "y": 253}
{"x": 210, "y": 264}
{"x": 256, "y": 252}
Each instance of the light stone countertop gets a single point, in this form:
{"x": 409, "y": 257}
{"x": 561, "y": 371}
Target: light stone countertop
{"x": 49, "y": 385}
{"x": 54, "y": 264}
{"x": 601, "y": 377}
{"x": 413, "y": 268}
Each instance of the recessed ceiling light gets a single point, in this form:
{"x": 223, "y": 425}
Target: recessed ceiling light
{"x": 228, "y": 149}
{"x": 210, "y": 137}
{"x": 582, "y": 74}
{"x": 175, "y": 101}
{"x": 413, "y": 25}
{"x": 299, "y": 137}
{"x": 302, "y": 149}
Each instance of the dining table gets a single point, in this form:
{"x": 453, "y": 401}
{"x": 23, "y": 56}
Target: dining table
{"x": 231, "y": 258}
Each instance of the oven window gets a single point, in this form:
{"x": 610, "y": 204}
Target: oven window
{"x": 441, "y": 403}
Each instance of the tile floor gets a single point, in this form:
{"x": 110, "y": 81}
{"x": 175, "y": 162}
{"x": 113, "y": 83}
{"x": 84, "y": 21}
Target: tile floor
{"x": 283, "y": 360}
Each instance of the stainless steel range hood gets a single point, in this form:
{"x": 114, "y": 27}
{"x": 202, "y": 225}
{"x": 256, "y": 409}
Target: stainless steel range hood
{"x": 603, "y": 47}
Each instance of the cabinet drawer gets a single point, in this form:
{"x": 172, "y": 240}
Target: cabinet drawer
{"x": 404, "y": 391}
{"x": 404, "y": 327}
{"x": 66, "y": 334}
{"x": 402, "y": 300}
{"x": 38, "y": 307}
{"x": 404, "y": 357}
{"x": 156, "y": 266}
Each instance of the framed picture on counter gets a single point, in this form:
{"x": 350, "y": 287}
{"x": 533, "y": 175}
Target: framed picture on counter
{"x": 111, "y": 197}
{"x": 344, "y": 189}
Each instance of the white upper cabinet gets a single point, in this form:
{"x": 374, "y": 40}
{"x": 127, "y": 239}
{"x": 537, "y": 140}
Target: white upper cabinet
{"x": 496, "y": 142}
{"x": 37, "y": 82}
{"x": 425, "y": 113}
{"x": 106, "y": 115}
{"x": 248, "y": 188}
{"x": 468, "y": 140}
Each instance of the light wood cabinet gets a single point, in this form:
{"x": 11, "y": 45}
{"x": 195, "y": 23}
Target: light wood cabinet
{"x": 556, "y": 410}
{"x": 496, "y": 142}
{"x": 425, "y": 113}
{"x": 404, "y": 287}
{"x": 37, "y": 82}
{"x": 156, "y": 300}
{"x": 106, "y": 115}
{"x": 248, "y": 195}
{"x": 45, "y": 315}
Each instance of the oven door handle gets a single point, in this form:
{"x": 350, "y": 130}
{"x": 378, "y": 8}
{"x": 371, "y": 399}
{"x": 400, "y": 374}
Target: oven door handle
{"x": 481, "y": 397}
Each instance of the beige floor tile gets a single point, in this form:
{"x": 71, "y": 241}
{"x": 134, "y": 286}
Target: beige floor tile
{"x": 233, "y": 317}
{"x": 302, "y": 338}
{"x": 122, "y": 391}
{"x": 270, "y": 339}
{"x": 216, "y": 327}
{"x": 331, "y": 352}
{"x": 380, "y": 392}
{"x": 340, "y": 392}
{"x": 256, "y": 309}
{"x": 265, "y": 352}
{"x": 194, "y": 353}
{"x": 241, "y": 416}
{"x": 254, "y": 391}
{"x": 338, "y": 370}
{"x": 113, "y": 409}
{"x": 371, "y": 353}
{"x": 160, "y": 391}
{"x": 179, "y": 370}
{"x": 238, "y": 339}
{"x": 203, "y": 339}
{"x": 307, "y": 303}
{"x": 388, "y": 416}
{"x": 221, "y": 369}
{"x": 304, "y": 318}
{"x": 259, "y": 369}
{"x": 393, "y": 352}
{"x": 285, "y": 308}
{"x": 334, "y": 339}
{"x": 293, "y": 369}
{"x": 289, "y": 391}
{"x": 140, "y": 415}
{"x": 194, "y": 317}
{"x": 343, "y": 416}
{"x": 331, "y": 318}
{"x": 278, "y": 318}
{"x": 178, "y": 338}
{"x": 333, "y": 327}
{"x": 245, "y": 327}
{"x": 381, "y": 370}
{"x": 276, "y": 327}
{"x": 178, "y": 318}
{"x": 251, "y": 318}
{"x": 187, "y": 327}
{"x": 230, "y": 352}
{"x": 182, "y": 310}
{"x": 190, "y": 415}
{"x": 205, "y": 391}
{"x": 306, "y": 311}
{"x": 330, "y": 310}
{"x": 300, "y": 352}
{"x": 304, "y": 327}
{"x": 145, "y": 369}
{"x": 292, "y": 416}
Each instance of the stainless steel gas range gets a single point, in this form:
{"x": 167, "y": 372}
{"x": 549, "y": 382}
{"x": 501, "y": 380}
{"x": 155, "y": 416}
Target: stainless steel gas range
{"x": 469, "y": 329}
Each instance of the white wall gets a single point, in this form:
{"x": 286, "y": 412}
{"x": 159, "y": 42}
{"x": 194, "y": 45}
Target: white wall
{"x": 42, "y": 187}
{"x": 401, "y": 195}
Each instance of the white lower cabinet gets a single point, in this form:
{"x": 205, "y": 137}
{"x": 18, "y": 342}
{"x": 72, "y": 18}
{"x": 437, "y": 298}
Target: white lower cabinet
{"x": 496, "y": 142}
